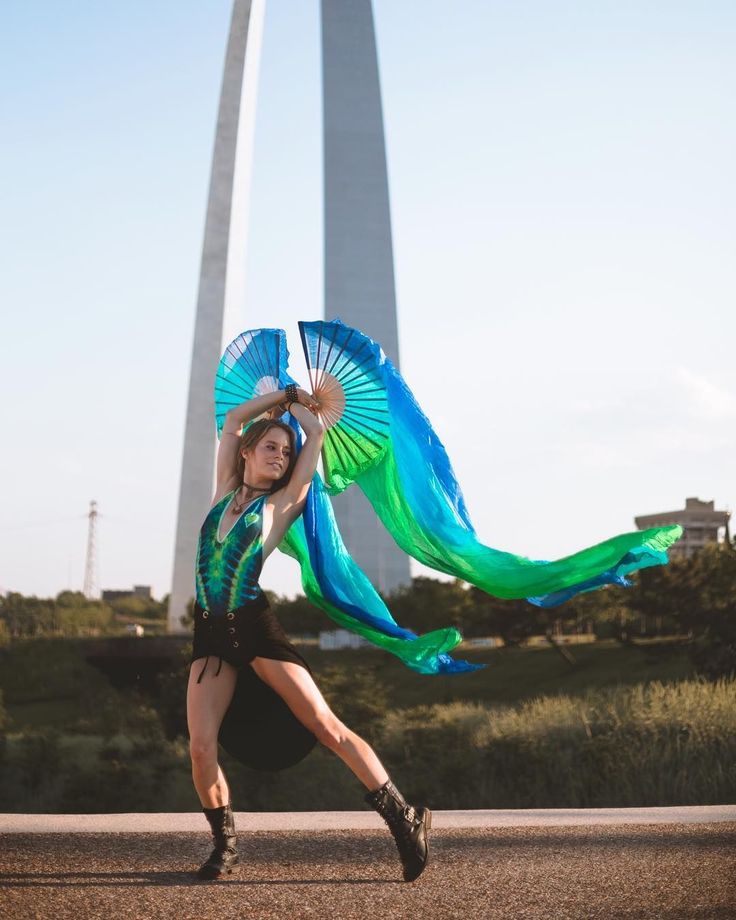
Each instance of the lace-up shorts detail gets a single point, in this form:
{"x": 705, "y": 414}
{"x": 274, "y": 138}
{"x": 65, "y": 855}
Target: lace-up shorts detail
{"x": 240, "y": 635}
{"x": 258, "y": 729}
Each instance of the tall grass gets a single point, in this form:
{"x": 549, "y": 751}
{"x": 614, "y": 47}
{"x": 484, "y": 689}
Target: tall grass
{"x": 655, "y": 743}
{"x": 652, "y": 744}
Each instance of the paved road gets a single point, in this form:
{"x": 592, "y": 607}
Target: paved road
{"x": 653, "y": 871}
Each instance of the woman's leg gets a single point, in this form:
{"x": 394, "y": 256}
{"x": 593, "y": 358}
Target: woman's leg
{"x": 407, "y": 824}
{"x": 207, "y": 703}
{"x": 296, "y": 687}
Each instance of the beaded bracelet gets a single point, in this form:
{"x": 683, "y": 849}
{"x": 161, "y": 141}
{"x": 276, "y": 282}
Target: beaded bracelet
{"x": 291, "y": 393}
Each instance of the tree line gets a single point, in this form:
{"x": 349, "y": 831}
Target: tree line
{"x": 692, "y": 598}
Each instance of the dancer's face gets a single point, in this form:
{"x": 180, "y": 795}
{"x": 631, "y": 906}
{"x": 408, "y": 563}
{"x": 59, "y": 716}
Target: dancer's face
{"x": 269, "y": 459}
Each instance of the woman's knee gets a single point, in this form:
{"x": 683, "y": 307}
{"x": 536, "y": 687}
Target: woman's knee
{"x": 203, "y": 751}
{"x": 330, "y": 731}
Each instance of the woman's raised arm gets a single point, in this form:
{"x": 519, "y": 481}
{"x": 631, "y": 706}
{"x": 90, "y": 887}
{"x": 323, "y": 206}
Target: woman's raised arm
{"x": 294, "y": 493}
{"x": 252, "y": 408}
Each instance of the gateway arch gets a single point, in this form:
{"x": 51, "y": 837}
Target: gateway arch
{"x": 358, "y": 260}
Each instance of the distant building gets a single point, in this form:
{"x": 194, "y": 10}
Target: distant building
{"x": 700, "y": 521}
{"x": 143, "y": 591}
{"x": 341, "y": 638}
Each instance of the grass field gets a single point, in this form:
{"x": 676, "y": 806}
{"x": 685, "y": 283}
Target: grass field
{"x": 619, "y": 726}
{"x": 516, "y": 674}
{"x": 47, "y": 681}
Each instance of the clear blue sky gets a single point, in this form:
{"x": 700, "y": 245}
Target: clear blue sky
{"x": 564, "y": 216}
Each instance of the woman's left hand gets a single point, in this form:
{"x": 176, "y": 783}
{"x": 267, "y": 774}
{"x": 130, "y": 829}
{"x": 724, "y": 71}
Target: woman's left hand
{"x": 303, "y": 399}
{"x": 307, "y": 400}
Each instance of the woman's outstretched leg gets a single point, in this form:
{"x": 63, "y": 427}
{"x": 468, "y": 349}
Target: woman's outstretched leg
{"x": 408, "y": 825}
{"x": 297, "y": 688}
{"x": 358, "y": 755}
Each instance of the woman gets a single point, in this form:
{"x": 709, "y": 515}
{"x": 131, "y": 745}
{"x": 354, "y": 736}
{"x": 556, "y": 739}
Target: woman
{"x": 262, "y": 487}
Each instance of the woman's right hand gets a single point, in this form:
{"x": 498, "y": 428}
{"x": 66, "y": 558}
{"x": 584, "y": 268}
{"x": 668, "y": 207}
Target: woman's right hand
{"x": 307, "y": 400}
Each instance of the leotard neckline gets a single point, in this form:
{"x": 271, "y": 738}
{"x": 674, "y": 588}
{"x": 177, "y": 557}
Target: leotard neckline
{"x": 245, "y": 510}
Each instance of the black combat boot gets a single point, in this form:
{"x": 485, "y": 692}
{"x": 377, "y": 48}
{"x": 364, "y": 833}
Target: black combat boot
{"x": 407, "y": 824}
{"x": 223, "y": 857}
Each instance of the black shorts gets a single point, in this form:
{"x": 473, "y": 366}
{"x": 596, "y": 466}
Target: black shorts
{"x": 258, "y": 729}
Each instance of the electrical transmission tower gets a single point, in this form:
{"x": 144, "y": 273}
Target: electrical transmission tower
{"x": 90, "y": 573}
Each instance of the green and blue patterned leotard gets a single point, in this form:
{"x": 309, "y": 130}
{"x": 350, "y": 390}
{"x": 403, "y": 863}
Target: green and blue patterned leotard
{"x": 227, "y": 571}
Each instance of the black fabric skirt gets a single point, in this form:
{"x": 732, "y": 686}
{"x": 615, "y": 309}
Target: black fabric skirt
{"x": 258, "y": 729}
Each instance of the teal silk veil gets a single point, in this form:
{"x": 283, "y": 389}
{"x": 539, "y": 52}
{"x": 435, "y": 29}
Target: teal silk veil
{"x": 409, "y": 481}
{"x": 414, "y": 492}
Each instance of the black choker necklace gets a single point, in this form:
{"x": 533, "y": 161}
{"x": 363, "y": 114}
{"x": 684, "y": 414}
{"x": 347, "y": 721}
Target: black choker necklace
{"x": 239, "y": 507}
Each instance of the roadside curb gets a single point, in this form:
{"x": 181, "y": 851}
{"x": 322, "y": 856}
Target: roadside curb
{"x": 143, "y": 823}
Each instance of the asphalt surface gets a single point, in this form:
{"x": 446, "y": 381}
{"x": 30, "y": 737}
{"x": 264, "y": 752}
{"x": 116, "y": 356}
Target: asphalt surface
{"x": 660, "y": 871}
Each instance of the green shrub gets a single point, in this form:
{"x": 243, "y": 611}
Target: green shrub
{"x": 653, "y": 744}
